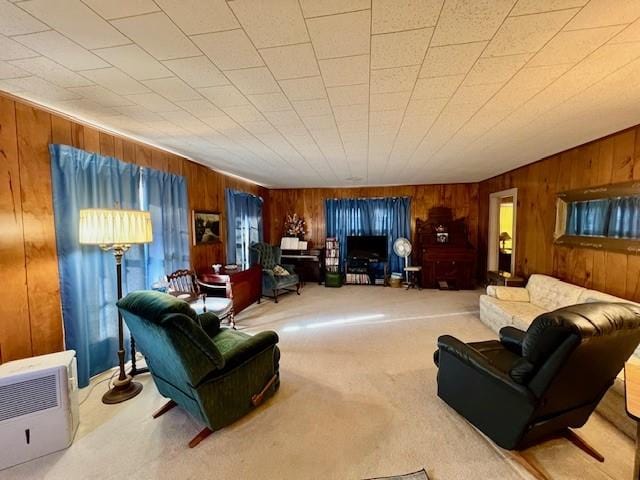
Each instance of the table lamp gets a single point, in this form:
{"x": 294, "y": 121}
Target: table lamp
{"x": 115, "y": 230}
{"x": 504, "y": 238}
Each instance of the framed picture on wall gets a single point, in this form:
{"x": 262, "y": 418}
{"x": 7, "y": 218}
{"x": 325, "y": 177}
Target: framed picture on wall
{"x": 206, "y": 227}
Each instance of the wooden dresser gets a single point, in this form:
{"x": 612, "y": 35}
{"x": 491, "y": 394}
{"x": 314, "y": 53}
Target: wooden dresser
{"x": 452, "y": 261}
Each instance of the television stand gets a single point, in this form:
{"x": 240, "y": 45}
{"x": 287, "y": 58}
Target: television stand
{"x": 366, "y": 271}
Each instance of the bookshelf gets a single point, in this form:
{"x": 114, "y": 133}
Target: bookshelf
{"x": 332, "y": 255}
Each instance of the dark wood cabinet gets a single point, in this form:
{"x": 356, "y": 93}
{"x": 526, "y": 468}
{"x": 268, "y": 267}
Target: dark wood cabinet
{"x": 244, "y": 286}
{"x": 443, "y": 250}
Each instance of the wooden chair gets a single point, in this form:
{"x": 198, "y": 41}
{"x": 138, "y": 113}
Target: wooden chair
{"x": 184, "y": 284}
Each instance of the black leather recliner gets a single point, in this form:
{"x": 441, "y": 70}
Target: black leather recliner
{"x": 533, "y": 384}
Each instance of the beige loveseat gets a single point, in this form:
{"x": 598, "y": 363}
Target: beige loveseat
{"x": 518, "y": 307}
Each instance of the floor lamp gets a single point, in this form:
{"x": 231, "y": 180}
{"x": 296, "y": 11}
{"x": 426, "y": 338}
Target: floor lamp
{"x": 115, "y": 231}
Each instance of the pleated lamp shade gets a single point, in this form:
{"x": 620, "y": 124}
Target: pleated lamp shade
{"x": 101, "y": 226}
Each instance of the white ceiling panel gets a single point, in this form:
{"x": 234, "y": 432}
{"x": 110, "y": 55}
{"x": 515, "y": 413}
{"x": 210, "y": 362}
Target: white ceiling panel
{"x": 134, "y": 61}
{"x": 395, "y": 15}
{"x": 292, "y": 61}
{"x": 15, "y": 21}
{"x": 271, "y": 24}
{"x": 59, "y": 48}
{"x": 200, "y": 16}
{"x": 158, "y": 35}
{"x": 399, "y": 49}
{"x": 76, "y": 21}
{"x": 334, "y": 92}
{"x": 341, "y": 35}
{"x": 464, "y": 21}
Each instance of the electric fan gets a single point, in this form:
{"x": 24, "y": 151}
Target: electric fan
{"x": 402, "y": 247}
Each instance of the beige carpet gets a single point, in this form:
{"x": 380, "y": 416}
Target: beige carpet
{"x": 357, "y": 401}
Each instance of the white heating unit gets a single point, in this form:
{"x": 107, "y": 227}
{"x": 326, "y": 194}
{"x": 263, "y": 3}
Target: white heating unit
{"x": 38, "y": 406}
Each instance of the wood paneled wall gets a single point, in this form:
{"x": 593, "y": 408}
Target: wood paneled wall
{"x": 615, "y": 158}
{"x": 30, "y": 312}
{"x": 462, "y": 198}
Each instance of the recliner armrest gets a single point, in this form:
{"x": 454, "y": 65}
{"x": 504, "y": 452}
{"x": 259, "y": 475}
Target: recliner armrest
{"x": 478, "y": 362}
{"x": 511, "y": 338}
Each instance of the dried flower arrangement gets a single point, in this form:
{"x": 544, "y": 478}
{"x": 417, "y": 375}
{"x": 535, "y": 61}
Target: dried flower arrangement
{"x": 294, "y": 226}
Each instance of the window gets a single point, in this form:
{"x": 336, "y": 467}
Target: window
{"x": 606, "y": 217}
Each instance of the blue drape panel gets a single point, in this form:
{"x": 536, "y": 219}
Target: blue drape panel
{"x": 244, "y": 225}
{"x": 87, "y": 274}
{"x": 165, "y": 196}
{"x": 614, "y": 217}
{"x": 369, "y": 216}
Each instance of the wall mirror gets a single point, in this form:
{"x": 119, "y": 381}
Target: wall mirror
{"x": 605, "y": 217}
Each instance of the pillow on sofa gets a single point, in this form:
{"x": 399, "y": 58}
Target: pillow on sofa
{"x": 512, "y": 294}
{"x": 280, "y": 271}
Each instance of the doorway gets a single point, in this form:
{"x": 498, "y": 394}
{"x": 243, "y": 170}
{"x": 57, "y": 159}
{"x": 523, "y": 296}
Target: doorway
{"x": 502, "y": 231}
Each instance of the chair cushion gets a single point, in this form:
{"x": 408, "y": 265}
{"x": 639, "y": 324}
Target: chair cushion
{"x": 221, "y": 306}
{"x": 499, "y": 356}
{"x": 154, "y": 305}
{"x": 287, "y": 280}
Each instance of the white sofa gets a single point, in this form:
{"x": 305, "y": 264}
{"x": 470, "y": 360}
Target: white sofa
{"x": 518, "y": 307}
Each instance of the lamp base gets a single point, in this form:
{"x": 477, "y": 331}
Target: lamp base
{"x": 121, "y": 391}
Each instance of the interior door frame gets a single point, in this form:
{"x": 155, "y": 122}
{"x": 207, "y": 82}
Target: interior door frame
{"x": 493, "y": 241}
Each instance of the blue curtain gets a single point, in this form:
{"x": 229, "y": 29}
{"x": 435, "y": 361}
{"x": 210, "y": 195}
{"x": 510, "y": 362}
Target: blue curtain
{"x": 164, "y": 195}
{"x": 244, "y": 225}
{"x": 614, "y": 218}
{"x": 369, "y": 216}
{"x": 87, "y": 274}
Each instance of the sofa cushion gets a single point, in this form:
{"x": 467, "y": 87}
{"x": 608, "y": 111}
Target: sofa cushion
{"x": 501, "y": 313}
{"x": 550, "y": 293}
{"x": 515, "y": 294}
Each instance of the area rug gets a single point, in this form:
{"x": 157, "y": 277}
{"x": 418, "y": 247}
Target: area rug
{"x": 419, "y": 475}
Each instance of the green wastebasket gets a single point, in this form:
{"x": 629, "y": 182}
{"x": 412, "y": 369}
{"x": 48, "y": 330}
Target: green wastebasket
{"x": 333, "y": 279}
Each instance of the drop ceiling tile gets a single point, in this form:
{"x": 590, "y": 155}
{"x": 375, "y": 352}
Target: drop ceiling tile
{"x": 425, "y": 106}
{"x": 229, "y": 50}
{"x": 153, "y": 102}
{"x": 121, "y": 8}
{"x": 317, "y": 8}
{"x": 253, "y": 80}
{"x": 399, "y": 49}
{"x": 573, "y": 46}
{"x": 476, "y": 94}
{"x": 133, "y": 60}
{"x": 11, "y": 71}
{"x": 115, "y": 80}
{"x": 62, "y": 50}
{"x": 451, "y": 59}
{"x": 631, "y": 33}
{"x": 389, "y": 101}
{"x": 526, "y": 7}
{"x": 15, "y": 21}
{"x": 341, "y": 35}
{"x": 308, "y": 108}
{"x": 12, "y": 50}
{"x": 284, "y": 118}
{"x": 527, "y": 34}
{"x": 495, "y": 69}
{"x": 470, "y": 21}
{"x": 351, "y": 112}
{"x": 173, "y": 89}
{"x": 244, "y": 113}
{"x": 393, "y": 79}
{"x": 84, "y": 107}
{"x": 102, "y": 96}
{"x": 293, "y": 61}
{"x": 138, "y": 113}
{"x": 349, "y": 95}
{"x": 200, "y": 16}
{"x": 271, "y": 24}
{"x": 386, "y": 118}
{"x": 437, "y": 87}
{"x": 308, "y": 88}
{"x": 225, "y": 96}
{"x": 76, "y": 21}
{"x": 50, "y": 70}
{"x": 599, "y": 13}
{"x": 198, "y": 72}
{"x": 338, "y": 72}
{"x": 395, "y": 15}
{"x": 260, "y": 127}
{"x": 158, "y": 35}
{"x": 270, "y": 102}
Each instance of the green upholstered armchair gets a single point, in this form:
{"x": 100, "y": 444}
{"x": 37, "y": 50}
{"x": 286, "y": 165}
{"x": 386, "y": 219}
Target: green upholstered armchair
{"x": 216, "y": 374}
{"x": 268, "y": 256}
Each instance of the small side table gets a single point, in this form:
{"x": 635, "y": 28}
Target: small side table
{"x": 632, "y": 400}
{"x": 414, "y": 275}
{"x": 505, "y": 279}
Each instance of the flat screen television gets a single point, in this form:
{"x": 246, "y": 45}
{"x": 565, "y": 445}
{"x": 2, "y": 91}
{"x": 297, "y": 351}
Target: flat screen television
{"x": 368, "y": 246}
